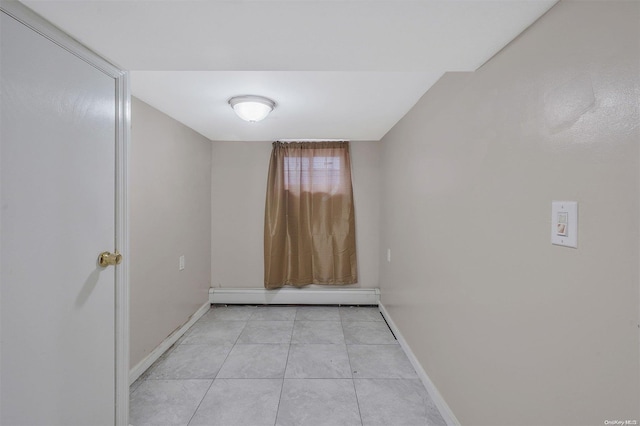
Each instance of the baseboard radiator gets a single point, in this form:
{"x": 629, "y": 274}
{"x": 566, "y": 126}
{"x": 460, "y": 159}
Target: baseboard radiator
{"x": 295, "y": 296}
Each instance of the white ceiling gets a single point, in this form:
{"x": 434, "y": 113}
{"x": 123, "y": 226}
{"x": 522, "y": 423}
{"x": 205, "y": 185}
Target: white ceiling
{"x": 338, "y": 69}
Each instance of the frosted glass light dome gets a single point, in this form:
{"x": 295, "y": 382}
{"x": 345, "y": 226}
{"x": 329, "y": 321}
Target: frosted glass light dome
{"x": 252, "y": 108}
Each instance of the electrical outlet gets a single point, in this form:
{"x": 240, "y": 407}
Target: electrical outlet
{"x": 181, "y": 263}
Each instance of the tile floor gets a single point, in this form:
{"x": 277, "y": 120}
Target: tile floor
{"x": 281, "y": 365}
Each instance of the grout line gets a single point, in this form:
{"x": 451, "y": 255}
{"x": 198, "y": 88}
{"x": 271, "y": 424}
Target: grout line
{"x": 284, "y": 374}
{"x": 200, "y": 403}
{"x": 214, "y": 379}
{"x": 353, "y": 382}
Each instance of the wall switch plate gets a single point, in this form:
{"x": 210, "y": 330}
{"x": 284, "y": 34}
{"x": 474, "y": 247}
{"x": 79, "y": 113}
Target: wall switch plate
{"x": 564, "y": 223}
{"x": 181, "y": 263}
{"x": 389, "y": 255}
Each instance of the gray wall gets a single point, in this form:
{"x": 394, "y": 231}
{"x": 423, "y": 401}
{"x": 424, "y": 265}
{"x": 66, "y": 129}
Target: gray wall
{"x": 511, "y": 329}
{"x": 170, "y": 216}
{"x": 239, "y": 185}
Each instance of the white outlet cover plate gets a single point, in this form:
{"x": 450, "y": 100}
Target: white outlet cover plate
{"x": 560, "y": 211}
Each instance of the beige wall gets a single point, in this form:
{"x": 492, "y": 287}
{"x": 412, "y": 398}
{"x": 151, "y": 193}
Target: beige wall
{"x": 239, "y": 184}
{"x": 513, "y": 330}
{"x": 170, "y": 216}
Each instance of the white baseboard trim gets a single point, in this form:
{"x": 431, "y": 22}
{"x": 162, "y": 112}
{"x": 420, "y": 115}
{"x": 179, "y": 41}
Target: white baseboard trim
{"x": 295, "y": 296}
{"x": 445, "y": 411}
{"x": 142, "y": 366}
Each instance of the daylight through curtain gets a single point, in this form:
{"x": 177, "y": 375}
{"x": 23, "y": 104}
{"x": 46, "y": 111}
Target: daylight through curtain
{"x": 309, "y": 229}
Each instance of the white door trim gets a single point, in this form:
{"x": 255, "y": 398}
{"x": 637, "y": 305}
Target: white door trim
{"x": 123, "y": 116}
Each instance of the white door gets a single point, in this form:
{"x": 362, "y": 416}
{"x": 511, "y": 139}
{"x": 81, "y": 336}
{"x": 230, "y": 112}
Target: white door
{"x": 59, "y": 125}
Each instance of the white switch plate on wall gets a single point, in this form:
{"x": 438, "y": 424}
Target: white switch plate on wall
{"x": 564, "y": 223}
{"x": 181, "y": 263}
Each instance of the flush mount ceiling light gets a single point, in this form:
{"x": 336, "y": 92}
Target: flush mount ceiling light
{"x": 252, "y": 108}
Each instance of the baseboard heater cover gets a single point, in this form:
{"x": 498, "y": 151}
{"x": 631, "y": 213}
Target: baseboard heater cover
{"x": 295, "y": 296}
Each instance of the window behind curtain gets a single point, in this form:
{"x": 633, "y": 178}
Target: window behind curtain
{"x": 309, "y": 235}
{"x": 318, "y": 173}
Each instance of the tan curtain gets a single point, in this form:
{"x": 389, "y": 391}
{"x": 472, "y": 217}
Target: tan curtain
{"x": 309, "y": 229}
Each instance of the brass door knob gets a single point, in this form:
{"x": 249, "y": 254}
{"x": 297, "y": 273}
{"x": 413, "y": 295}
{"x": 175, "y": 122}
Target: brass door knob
{"x": 106, "y": 258}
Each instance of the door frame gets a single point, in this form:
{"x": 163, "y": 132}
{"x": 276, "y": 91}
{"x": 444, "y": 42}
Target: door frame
{"x": 122, "y": 137}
